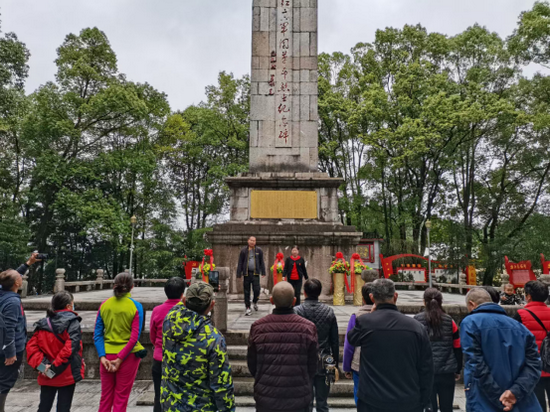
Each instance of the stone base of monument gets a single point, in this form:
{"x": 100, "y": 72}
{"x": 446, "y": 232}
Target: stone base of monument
{"x": 282, "y": 210}
{"x": 318, "y": 244}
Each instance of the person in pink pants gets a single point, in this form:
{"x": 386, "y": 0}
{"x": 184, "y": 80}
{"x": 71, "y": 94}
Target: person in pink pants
{"x": 117, "y": 330}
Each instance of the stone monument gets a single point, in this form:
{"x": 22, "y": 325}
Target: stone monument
{"x": 284, "y": 200}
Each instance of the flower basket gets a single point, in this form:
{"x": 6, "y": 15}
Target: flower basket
{"x": 339, "y": 267}
{"x": 279, "y": 269}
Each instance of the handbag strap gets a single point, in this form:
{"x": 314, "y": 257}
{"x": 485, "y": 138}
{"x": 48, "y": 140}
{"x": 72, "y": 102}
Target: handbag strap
{"x": 537, "y": 319}
{"x": 59, "y": 338}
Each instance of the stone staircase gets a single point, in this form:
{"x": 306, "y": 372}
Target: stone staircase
{"x": 341, "y": 393}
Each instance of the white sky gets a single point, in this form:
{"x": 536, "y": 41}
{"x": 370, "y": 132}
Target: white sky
{"x": 179, "y": 46}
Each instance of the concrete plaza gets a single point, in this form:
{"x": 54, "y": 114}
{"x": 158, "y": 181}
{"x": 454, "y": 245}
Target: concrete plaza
{"x": 236, "y": 320}
{"x": 26, "y": 395}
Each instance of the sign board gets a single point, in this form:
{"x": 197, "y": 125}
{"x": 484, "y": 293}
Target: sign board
{"x": 283, "y": 204}
{"x": 471, "y": 275}
{"x": 418, "y": 274}
{"x": 520, "y": 273}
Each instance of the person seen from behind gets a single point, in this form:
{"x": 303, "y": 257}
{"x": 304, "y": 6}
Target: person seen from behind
{"x": 295, "y": 272}
{"x": 509, "y": 297}
{"x": 495, "y": 295}
{"x": 196, "y": 374}
{"x": 446, "y": 350}
{"x": 174, "y": 289}
{"x": 55, "y": 350}
{"x": 396, "y": 365}
{"x": 283, "y": 356}
{"x": 535, "y": 316}
{"x": 14, "y": 332}
{"x": 501, "y": 360}
{"x": 327, "y": 334}
{"x": 117, "y": 331}
{"x": 352, "y": 355}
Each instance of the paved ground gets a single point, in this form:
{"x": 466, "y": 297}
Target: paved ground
{"x": 25, "y": 398}
{"x": 236, "y": 319}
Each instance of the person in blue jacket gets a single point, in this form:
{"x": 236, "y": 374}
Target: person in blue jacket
{"x": 502, "y": 362}
{"x": 13, "y": 327}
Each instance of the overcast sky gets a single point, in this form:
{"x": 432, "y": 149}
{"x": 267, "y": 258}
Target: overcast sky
{"x": 179, "y": 46}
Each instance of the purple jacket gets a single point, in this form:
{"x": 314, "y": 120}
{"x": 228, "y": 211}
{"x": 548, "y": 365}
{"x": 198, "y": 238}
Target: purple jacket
{"x": 157, "y": 318}
{"x": 348, "y": 349}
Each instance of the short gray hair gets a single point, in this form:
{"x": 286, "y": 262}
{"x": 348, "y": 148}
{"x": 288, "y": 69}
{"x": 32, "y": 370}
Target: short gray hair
{"x": 478, "y": 296}
{"x": 383, "y": 290}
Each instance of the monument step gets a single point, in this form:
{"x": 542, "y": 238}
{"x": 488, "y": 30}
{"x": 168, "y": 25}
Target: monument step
{"x": 341, "y": 389}
{"x": 240, "y": 338}
{"x": 147, "y": 399}
{"x": 238, "y": 353}
{"x": 239, "y": 369}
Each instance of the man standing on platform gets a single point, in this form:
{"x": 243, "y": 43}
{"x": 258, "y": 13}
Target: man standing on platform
{"x": 251, "y": 266}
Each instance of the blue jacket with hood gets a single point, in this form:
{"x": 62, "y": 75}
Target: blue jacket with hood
{"x": 500, "y": 354}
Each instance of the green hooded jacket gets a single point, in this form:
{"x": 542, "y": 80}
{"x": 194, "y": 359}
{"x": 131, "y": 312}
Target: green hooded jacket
{"x": 196, "y": 375}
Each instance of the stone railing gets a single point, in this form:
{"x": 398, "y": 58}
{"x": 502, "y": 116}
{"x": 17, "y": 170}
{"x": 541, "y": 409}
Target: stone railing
{"x": 219, "y": 314}
{"x": 442, "y": 286}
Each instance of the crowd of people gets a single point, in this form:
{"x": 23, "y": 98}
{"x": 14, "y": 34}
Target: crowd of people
{"x": 397, "y": 363}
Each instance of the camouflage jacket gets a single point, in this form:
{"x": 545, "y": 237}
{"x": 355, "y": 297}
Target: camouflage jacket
{"x": 196, "y": 375}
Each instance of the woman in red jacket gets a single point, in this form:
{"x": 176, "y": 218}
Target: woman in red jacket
{"x": 295, "y": 271}
{"x": 55, "y": 349}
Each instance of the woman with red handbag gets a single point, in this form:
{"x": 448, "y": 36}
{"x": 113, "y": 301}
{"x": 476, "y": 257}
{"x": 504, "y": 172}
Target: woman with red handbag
{"x": 55, "y": 350}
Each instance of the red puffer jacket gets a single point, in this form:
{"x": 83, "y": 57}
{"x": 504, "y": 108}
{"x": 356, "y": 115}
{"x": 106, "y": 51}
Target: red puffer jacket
{"x": 543, "y": 313}
{"x": 61, "y": 348}
{"x": 283, "y": 358}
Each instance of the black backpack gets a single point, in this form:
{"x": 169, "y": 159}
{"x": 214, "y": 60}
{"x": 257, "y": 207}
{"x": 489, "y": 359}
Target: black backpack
{"x": 545, "y": 346}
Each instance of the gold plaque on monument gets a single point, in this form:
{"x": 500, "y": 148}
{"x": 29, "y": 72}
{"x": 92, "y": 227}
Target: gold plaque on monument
{"x": 283, "y": 204}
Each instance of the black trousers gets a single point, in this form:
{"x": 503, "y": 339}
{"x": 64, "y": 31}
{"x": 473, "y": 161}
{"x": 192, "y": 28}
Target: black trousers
{"x": 541, "y": 390}
{"x": 444, "y": 389}
{"x": 157, "y": 378}
{"x": 254, "y": 281}
{"x": 320, "y": 394}
{"x": 9, "y": 374}
{"x": 297, "y": 285}
{"x": 364, "y": 407}
{"x": 64, "y": 398}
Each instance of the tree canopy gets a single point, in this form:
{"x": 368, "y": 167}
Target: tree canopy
{"x": 421, "y": 126}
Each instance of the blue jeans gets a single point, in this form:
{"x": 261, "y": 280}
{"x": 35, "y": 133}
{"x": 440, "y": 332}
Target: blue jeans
{"x": 355, "y": 385}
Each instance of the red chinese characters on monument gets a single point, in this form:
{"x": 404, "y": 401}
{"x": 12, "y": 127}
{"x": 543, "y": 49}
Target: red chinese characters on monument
{"x": 283, "y": 91}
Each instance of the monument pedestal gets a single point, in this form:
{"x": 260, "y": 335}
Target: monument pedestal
{"x": 319, "y": 236}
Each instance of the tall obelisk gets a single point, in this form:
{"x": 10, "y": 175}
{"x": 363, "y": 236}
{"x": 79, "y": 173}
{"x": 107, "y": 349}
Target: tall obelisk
{"x": 284, "y": 200}
{"x": 283, "y": 126}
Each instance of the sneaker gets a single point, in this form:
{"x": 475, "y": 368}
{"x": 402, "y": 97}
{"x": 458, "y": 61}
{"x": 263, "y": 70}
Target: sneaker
{"x": 256, "y": 307}
{"x": 248, "y": 312}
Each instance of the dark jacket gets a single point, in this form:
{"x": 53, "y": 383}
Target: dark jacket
{"x": 543, "y": 313}
{"x": 196, "y": 375}
{"x": 396, "y": 370}
{"x": 282, "y": 358}
{"x": 62, "y": 350}
{"x": 447, "y": 353}
{"x": 513, "y": 299}
{"x": 22, "y": 269}
{"x": 15, "y": 332}
{"x": 300, "y": 265}
{"x": 327, "y": 327}
{"x": 242, "y": 268}
{"x": 500, "y": 354}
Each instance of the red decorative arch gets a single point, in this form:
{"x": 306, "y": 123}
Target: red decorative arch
{"x": 387, "y": 265}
